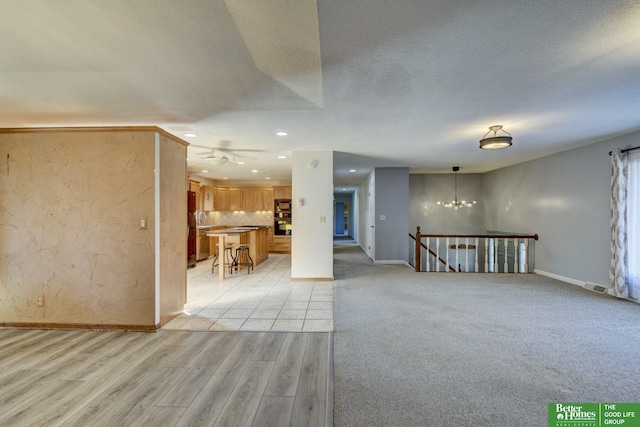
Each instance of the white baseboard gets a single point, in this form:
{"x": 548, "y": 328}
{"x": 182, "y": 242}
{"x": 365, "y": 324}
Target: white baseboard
{"x": 561, "y": 278}
{"x": 392, "y": 261}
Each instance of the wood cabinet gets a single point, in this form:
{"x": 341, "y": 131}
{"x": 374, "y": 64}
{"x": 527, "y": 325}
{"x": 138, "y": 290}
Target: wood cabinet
{"x": 207, "y": 198}
{"x": 252, "y": 199}
{"x": 249, "y": 199}
{"x": 267, "y": 197}
{"x": 221, "y": 198}
{"x": 235, "y": 199}
{"x": 258, "y": 241}
{"x": 279, "y": 244}
{"x": 281, "y": 192}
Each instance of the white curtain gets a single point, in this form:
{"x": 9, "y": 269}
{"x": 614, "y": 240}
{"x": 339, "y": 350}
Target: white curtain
{"x": 619, "y": 203}
{"x": 633, "y": 224}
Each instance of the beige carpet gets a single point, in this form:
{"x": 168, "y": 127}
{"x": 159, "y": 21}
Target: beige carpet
{"x": 456, "y": 349}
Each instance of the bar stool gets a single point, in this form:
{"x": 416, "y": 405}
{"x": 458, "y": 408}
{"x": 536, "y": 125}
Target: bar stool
{"x": 242, "y": 253}
{"x": 228, "y": 258}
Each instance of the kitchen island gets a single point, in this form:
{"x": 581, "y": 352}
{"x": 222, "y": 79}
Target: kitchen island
{"x": 256, "y": 237}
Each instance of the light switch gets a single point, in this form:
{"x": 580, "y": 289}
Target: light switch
{"x": 143, "y": 223}
{"x": 383, "y": 217}
{"x": 323, "y": 219}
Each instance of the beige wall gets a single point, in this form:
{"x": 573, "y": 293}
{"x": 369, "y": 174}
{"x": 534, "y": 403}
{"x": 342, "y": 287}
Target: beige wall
{"x": 172, "y": 259}
{"x": 70, "y": 210}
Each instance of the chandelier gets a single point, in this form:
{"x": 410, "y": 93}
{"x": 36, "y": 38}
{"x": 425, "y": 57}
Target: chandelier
{"x": 455, "y": 203}
{"x": 496, "y": 141}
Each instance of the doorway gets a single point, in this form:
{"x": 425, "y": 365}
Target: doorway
{"x": 344, "y": 225}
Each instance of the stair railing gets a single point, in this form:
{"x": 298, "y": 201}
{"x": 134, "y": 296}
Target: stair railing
{"x": 479, "y": 253}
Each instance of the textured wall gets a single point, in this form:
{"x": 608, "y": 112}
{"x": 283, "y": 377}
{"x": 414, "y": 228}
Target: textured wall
{"x": 426, "y": 190}
{"x": 312, "y": 239}
{"x": 565, "y": 199}
{"x": 70, "y": 205}
{"x": 391, "y": 202}
{"x": 172, "y": 255}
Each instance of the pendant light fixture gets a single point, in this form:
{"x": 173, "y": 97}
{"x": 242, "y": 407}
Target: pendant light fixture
{"x": 496, "y": 141}
{"x": 455, "y": 203}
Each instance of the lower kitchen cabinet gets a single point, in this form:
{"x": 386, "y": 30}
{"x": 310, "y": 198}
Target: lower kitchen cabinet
{"x": 280, "y": 244}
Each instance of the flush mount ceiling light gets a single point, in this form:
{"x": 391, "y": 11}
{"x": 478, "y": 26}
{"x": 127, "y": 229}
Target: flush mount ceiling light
{"x": 496, "y": 141}
{"x": 455, "y": 203}
{"x": 282, "y": 133}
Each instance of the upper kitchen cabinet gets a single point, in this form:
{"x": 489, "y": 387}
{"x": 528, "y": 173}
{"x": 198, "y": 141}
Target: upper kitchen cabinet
{"x": 267, "y": 197}
{"x": 207, "y": 198}
{"x": 281, "y": 192}
{"x": 257, "y": 199}
{"x": 235, "y": 199}
{"x": 251, "y": 199}
{"x": 221, "y": 198}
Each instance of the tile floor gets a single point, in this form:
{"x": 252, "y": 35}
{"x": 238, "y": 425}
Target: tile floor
{"x": 265, "y": 300}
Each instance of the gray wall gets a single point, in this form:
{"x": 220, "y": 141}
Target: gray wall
{"x": 392, "y": 201}
{"x": 565, "y": 199}
{"x": 349, "y": 199}
{"x": 426, "y": 190}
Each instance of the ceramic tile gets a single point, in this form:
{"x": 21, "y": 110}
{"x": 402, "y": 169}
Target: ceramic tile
{"x": 197, "y": 324}
{"x": 264, "y": 314}
{"x": 257, "y": 325}
{"x": 320, "y": 305}
{"x": 319, "y": 315}
{"x": 292, "y": 314}
{"x": 270, "y": 305}
{"x": 236, "y": 314}
{"x": 317, "y": 326}
{"x": 227, "y": 325}
{"x": 322, "y": 297}
{"x": 295, "y": 305}
{"x": 287, "y": 325}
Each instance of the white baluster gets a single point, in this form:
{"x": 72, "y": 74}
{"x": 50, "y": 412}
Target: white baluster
{"x": 522, "y": 256}
{"x": 486, "y": 255}
{"x": 515, "y": 254}
{"x": 476, "y": 269}
{"x": 428, "y": 256}
{"x": 506, "y": 253}
{"x": 526, "y": 255}
{"x": 446, "y": 268}
{"x": 494, "y": 258}
{"x": 466, "y": 260}
{"x": 457, "y": 266}
{"x": 437, "y": 254}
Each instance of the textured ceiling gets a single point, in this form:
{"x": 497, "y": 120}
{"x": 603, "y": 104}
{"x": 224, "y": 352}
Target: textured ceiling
{"x": 414, "y": 83}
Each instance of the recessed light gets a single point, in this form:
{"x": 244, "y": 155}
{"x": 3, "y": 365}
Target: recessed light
{"x": 241, "y": 163}
{"x": 254, "y": 170}
{"x": 282, "y": 133}
{"x": 282, "y": 157}
{"x": 224, "y": 177}
{"x": 352, "y": 170}
{"x": 204, "y": 171}
{"x": 190, "y": 135}
{"x": 267, "y": 177}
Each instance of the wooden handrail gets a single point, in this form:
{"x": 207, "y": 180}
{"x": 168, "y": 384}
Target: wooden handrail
{"x": 418, "y": 243}
{"x": 418, "y": 259}
{"x": 488, "y": 236}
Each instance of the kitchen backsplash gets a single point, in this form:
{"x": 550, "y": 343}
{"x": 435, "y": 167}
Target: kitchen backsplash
{"x": 241, "y": 218}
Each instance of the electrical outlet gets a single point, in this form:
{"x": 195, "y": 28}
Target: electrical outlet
{"x": 323, "y": 219}
{"x": 383, "y": 217}
{"x": 40, "y": 300}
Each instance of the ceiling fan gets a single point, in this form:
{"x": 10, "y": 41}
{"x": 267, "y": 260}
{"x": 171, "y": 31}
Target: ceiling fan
{"x": 217, "y": 156}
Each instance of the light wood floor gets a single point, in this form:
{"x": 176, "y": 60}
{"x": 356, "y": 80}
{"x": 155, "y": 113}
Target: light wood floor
{"x": 169, "y": 378}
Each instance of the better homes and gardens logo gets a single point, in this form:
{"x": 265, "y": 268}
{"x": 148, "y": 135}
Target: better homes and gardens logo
{"x": 575, "y": 414}
{"x": 594, "y": 414}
